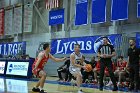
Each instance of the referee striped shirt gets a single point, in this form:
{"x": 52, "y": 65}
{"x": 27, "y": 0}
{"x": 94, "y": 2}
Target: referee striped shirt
{"x": 106, "y": 49}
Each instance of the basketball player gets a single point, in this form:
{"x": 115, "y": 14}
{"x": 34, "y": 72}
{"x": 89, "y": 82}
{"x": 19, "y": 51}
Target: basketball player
{"x": 106, "y": 52}
{"x": 38, "y": 67}
{"x": 75, "y": 66}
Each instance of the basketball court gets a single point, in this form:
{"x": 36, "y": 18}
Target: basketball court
{"x": 51, "y": 86}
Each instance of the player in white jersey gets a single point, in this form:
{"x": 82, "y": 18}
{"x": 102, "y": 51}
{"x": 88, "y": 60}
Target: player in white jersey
{"x": 76, "y": 64}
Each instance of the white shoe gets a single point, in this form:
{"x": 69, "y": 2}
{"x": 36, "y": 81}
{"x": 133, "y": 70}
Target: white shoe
{"x": 80, "y": 91}
{"x": 118, "y": 83}
{"x": 109, "y": 84}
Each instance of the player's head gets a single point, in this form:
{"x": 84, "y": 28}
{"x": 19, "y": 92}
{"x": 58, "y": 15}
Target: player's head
{"x": 120, "y": 58}
{"x": 105, "y": 40}
{"x": 131, "y": 42}
{"x": 46, "y": 47}
{"x": 76, "y": 47}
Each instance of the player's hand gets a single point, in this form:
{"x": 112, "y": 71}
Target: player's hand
{"x": 127, "y": 65}
{"x": 84, "y": 67}
{"x": 102, "y": 56}
{"x": 95, "y": 69}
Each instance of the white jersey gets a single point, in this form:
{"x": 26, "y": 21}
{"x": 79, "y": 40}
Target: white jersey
{"x": 77, "y": 61}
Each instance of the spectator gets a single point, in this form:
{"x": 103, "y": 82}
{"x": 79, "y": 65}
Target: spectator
{"x": 96, "y": 70}
{"x": 64, "y": 69}
{"x": 120, "y": 71}
{"x": 133, "y": 65}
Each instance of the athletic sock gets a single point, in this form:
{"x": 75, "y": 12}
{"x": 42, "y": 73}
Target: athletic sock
{"x": 40, "y": 88}
{"x": 35, "y": 87}
{"x": 80, "y": 89}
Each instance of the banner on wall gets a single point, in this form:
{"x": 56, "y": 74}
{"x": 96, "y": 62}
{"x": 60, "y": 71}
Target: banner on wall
{"x": 98, "y": 11}
{"x": 56, "y": 17}
{"x": 88, "y": 44}
{"x": 138, "y": 8}
{"x": 28, "y": 16}
{"x": 81, "y": 12}
{"x": 138, "y": 40}
{"x": 119, "y": 9}
{"x": 13, "y": 48}
{"x": 17, "y": 20}
{"x": 1, "y": 22}
{"x": 8, "y": 27}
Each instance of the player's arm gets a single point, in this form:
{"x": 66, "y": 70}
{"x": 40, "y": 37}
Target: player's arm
{"x": 128, "y": 59}
{"x": 72, "y": 58}
{"x": 56, "y": 59}
{"x": 99, "y": 55}
{"x": 127, "y": 62}
{"x": 40, "y": 56}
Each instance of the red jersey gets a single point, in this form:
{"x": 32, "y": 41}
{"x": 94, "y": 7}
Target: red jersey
{"x": 121, "y": 65}
{"x": 42, "y": 62}
{"x": 98, "y": 66}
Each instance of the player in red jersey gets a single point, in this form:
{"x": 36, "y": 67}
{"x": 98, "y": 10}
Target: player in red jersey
{"x": 38, "y": 67}
{"x": 121, "y": 69}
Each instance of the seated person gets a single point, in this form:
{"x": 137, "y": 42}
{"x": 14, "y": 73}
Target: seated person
{"x": 91, "y": 73}
{"x": 96, "y": 70}
{"x": 120, "y": 72}
{"x": 64, "y": 69}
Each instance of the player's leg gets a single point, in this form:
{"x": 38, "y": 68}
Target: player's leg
{"x": 121, "y": 76}
{"x": 136, "y": 77}
{"x": 59, "y": 71}
{"x": 113, "y": 79}
{"x": 36, "y": 87}
{"x": 78, "y": 76}
{"x": 131, "y": 76}
{"x": 42, "y": 75}
{"x": 85, "y": 76}
{"x": 102, "y": 68}
{"x": 38, "y": 84}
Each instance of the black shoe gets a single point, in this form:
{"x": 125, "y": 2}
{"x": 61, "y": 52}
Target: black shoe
{"x": 131, "y": 88}
{"x": 115, "y": 89}
{"x": 36, "y": 89}
{"x": 101, "y": 88}
{"x": 135, "y": 90}
{"x": 42, "y": 91}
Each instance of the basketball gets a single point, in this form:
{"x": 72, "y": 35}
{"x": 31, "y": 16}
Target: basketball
{"x": 88, "y": 67}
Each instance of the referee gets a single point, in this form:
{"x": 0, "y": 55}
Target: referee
{"x": 133, "y": 64}
{"x": 106, "y": 51}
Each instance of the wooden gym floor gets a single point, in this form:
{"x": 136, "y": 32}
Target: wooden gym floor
{"x": 25, "y": 86}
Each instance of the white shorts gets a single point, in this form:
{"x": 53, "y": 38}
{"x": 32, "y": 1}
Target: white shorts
{"x": 74, "y": 70}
